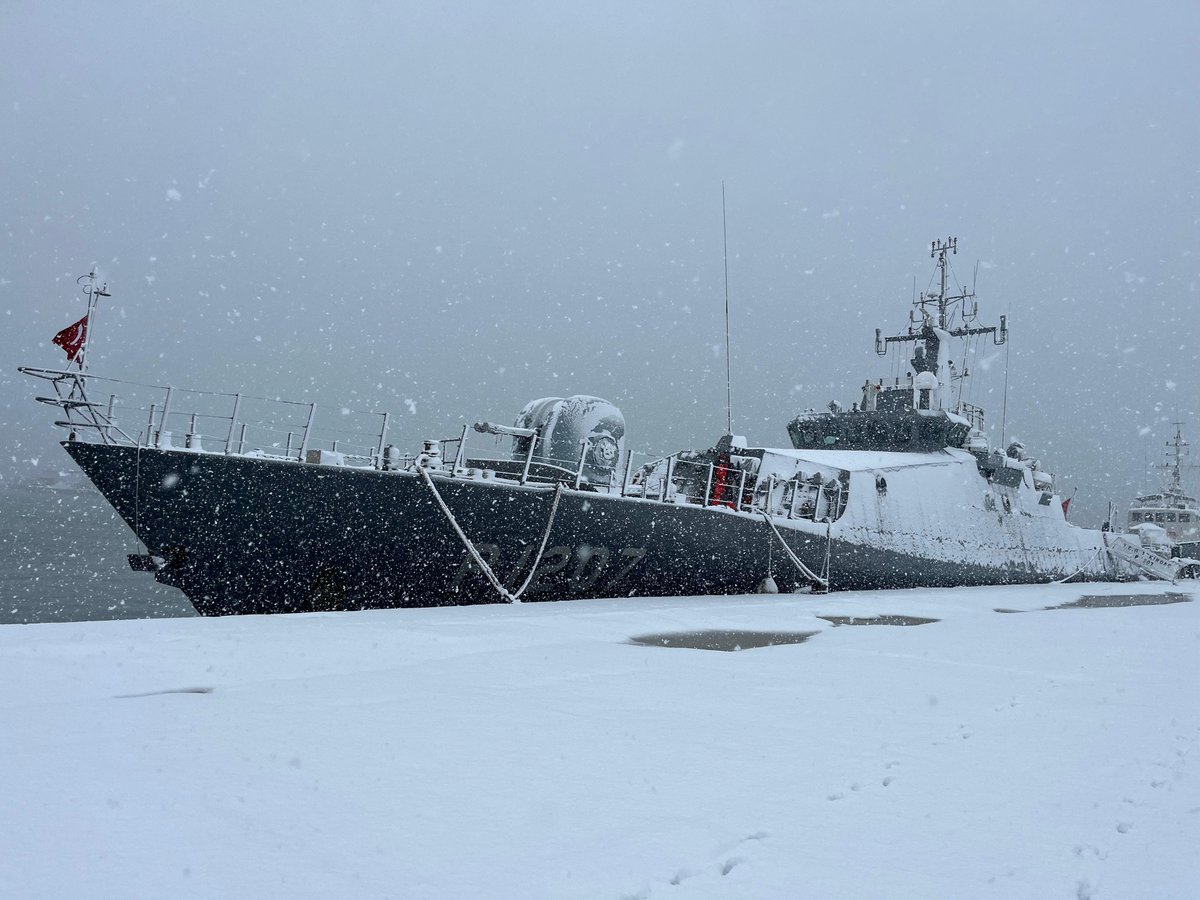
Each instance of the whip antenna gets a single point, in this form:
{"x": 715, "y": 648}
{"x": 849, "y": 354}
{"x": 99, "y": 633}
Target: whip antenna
{"x": 1004, "y": 408}
{"x": 728, "y": 381}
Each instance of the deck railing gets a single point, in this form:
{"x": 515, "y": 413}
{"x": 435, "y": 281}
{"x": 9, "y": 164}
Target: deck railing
{"x": 163, "y": 417}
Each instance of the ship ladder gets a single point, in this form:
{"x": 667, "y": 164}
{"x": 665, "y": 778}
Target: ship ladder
{"x": 1120, "y": 550}
{"x": 813, "y": 577}
{"x": 504, "y": 592}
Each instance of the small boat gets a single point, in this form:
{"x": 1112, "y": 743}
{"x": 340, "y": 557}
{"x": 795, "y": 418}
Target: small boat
{"x": 249, "y": 505}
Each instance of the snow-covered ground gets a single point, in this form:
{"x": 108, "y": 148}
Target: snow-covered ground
{"x": 534, "y": 751}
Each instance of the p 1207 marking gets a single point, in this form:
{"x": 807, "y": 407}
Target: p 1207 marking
{"x": 592, "y": 566}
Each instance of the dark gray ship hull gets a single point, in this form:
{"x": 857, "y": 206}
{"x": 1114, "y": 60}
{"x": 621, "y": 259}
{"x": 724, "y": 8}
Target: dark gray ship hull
{"x": 239, "y": 534}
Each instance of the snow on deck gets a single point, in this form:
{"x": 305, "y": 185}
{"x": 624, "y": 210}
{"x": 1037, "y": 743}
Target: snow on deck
{"x": 535, "y": 751}
{"x": 885, "y": 460}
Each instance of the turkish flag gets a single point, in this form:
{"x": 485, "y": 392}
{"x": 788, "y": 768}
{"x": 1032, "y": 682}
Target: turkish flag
{"x": 72, "y": 338}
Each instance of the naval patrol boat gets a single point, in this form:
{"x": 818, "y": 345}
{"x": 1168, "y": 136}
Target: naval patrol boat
{"x": 251, "y": 505}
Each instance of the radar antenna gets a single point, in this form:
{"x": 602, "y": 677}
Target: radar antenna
{"x": 943, "y": 304}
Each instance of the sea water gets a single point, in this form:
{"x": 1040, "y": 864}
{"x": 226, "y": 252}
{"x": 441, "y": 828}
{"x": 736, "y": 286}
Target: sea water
{"x": 64, "y": 557}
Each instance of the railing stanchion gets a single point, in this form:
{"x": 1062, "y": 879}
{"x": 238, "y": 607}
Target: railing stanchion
{"x": 312, "y": 414}
{"x": 528, "y": 458}
{"x": 579, "y": 468}
{"x": 382, "y": 439}
{"x": 237, "y": 405}
{"x": 460, "y": 458}
{"x": 108, "y": 419}
{"x": 162, "y": 421}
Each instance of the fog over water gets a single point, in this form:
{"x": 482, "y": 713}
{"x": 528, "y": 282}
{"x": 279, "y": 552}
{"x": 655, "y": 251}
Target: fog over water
{"x": 446, "y": 210}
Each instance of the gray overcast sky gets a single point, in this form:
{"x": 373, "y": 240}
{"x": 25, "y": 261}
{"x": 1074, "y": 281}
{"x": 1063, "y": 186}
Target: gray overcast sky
{"x": 471, "y": 205}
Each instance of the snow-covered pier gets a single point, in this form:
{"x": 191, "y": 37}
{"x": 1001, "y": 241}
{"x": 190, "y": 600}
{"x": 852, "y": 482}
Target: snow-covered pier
{"x": 1006, "y": 742}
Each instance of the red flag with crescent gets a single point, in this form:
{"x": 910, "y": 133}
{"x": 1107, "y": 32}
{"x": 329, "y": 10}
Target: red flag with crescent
{"x": 72, "y": 338}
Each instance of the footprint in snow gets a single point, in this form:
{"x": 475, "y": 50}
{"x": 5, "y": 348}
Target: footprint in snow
{"x": 723, "y": 868}
{"x": 682, "y": 875}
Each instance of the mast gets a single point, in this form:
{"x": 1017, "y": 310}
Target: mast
{"x": 942, "y": 315}
{"x": 93, "y": 294}
{"x": 1176, "y": 451}
{"x": 942, "y": 300}
{"x": 943, "y": 303}
{"x": 728, "y": 378}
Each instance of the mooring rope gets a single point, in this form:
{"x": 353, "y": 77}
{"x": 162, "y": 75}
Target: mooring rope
{"x": 804, "y": 570}
{"x": 475, "y": 555}
{"x": 1087, "y": 563}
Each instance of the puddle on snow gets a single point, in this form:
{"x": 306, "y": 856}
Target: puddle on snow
{"x": 1111, "y": 601}
{"x": 725, "y": 641}
{"x": 1090, "y": 601}
{"x": 877, "y": 620}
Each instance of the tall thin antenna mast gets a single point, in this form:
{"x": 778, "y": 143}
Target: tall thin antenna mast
{"x": 728, "y": 379}
{"x": 1004, "y": 408}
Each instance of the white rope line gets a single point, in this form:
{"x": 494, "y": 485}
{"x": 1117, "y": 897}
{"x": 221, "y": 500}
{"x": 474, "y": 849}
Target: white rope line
{"x": 804, "y": 570}
{"x": 475, "y": 555}
{"x": 1086, "y": 563}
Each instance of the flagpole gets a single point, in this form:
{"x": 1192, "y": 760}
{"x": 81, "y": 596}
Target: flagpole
{"x": 93, "y": 294}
